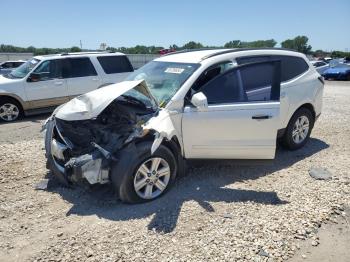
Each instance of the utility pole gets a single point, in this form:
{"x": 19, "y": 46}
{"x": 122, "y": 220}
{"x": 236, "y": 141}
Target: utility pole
{"x": 81, "y": 45}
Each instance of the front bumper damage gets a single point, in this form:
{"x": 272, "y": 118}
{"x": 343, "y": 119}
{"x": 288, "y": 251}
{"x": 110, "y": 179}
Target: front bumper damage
{"x": 80, "y": 148}
{"x": 93, "y": 167}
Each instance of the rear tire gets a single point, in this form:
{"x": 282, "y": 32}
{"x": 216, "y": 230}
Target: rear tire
{"x": 10, "y": 110}
{"x": 299, "y": 129}
{"x": 126, "y": 174}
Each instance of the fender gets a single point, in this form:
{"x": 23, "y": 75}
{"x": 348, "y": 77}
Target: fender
{"x": 25, "y": 105}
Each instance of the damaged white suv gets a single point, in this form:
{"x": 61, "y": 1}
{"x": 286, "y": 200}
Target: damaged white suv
{"x": 221, "y": 104}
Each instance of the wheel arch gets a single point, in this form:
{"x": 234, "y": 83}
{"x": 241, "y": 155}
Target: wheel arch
{"x": 308, "y": 106}
{"x": 173, "y": 145}
{"x": 13, "y": 98}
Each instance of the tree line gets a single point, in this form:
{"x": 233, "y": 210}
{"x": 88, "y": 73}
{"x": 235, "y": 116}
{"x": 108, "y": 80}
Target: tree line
{"x": 299, "y": 43}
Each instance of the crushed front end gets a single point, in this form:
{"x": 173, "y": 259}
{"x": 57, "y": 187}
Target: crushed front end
{"x": 83, "y": 149}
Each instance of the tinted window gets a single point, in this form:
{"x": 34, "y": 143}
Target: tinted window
{"x": 7, "y": 65}
{"x": 318, "y": 64}
{"x": 49, "y": 69}
{"x": 223, "y": 89}
{"x": 291, "y": 66}
{"x": 257, "y": 81}
{"x": 249, "y": 83}
{"x": 211, "y": 73}
{"x": 115, "y": 64}
{"x": 79, "y": 67}
{"x": 17, "y": 64}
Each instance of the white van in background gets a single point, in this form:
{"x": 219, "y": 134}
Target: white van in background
{"x": 44, "y": 82}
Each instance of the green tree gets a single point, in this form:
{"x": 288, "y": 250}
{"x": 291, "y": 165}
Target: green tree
{"x": 75, "y": 49}
{"x": 174, "y": 47}
{"x": 340, "y": 54}
{"x": 233, "y": 44}
{"x": 299, "y": 43}
{"x": 253, "y": 44}
{"x": 192, "y": 45}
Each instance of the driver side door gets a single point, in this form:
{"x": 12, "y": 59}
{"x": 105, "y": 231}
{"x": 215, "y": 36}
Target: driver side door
{"x": 48, "y": 88}
{"x": 241, "y": 118}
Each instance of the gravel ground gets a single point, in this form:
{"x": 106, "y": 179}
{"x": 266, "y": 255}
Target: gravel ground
{"x": 219, "y": 211}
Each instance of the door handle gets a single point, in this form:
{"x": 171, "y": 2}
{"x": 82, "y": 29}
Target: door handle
{"x": 260, "y": 117}
{"x": 58, "y": 83}
{"x": 95, "y": 79}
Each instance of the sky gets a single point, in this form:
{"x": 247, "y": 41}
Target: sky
{"x": 63, "y": 23}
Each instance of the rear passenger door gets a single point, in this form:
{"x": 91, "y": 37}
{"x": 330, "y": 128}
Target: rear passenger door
{"x": 81, "y": 76}
{"x": 291, "y": 89}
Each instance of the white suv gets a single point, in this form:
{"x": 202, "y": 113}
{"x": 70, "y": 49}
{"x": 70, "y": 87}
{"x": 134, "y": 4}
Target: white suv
{"x": 218, "y": 104}
{"x": 44, "y": 82}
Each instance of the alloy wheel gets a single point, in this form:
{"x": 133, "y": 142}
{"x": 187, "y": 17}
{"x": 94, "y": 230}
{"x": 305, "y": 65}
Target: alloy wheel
{"x": 300, "y": 129}
{"x": 152, "y": 178}
{"x": 9, "y": 112}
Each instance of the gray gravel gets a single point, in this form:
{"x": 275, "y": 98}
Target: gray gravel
{"x": 219, "y": 211}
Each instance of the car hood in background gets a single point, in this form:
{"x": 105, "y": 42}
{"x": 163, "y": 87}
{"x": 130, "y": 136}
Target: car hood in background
{"x": 90, "y": 105}
{"x": 5, "y": 80}
{"x": 337, "y": 70}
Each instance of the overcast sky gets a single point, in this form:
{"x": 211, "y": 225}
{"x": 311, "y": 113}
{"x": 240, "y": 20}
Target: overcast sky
{"x": 127, "y": 23}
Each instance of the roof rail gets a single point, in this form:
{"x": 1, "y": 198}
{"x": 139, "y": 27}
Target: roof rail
{"x": 190, "y": 50}
{"x": 86, "y": 53}
{"x": 233, "y": 50}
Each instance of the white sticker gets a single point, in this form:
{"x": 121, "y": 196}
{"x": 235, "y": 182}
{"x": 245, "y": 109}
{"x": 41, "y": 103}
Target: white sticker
{"x": 174, "y": 70}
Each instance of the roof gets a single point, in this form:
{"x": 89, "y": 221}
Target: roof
{"x": 11, "y": 61}
{"x": 196, "y": 56}
{"x": 79, "y": 54}
{"x": 188, "y": 56}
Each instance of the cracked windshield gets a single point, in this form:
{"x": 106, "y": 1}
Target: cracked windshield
{"x": 164, "y": 79}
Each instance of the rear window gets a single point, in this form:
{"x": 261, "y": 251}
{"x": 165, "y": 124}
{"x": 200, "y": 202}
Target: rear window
{"x": 291, "y": 66}
{"x": 115, "y": 64}
{"x": 7, "y": 65}
{"x": 17, "y": 64}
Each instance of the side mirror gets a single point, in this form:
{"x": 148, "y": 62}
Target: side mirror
{"x": 33, "y": 77}
{"x": 199, "y": 100}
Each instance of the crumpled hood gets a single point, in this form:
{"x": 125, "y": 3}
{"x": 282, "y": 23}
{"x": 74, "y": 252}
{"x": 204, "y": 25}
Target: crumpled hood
{"x": 91, "y": 104}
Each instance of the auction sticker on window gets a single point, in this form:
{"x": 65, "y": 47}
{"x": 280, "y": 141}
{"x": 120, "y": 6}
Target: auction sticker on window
{"x": 174, "y": 70}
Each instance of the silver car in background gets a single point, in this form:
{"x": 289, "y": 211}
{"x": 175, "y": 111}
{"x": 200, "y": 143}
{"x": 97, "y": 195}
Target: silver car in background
{"x": 7, "y": 66}
{"x": 320, "y": 66}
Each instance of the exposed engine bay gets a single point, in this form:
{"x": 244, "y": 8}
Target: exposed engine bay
{"x": 83, "y": 149}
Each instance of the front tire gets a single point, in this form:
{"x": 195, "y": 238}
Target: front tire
{"x": 299, "y": 129}
{"x": 10, "y": 110}
{"x": 139, "y": 176}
